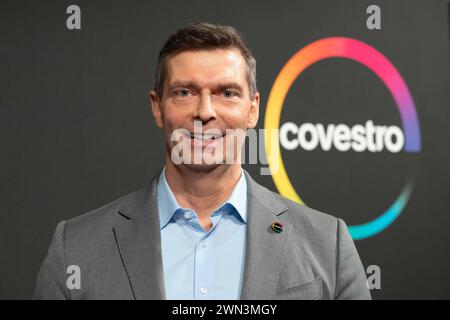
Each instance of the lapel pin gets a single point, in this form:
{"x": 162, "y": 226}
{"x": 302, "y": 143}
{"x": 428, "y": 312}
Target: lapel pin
{"x": 277, "y": 227}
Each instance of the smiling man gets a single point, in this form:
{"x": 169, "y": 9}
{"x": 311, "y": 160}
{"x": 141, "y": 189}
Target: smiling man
{"x": 203, "y": 228}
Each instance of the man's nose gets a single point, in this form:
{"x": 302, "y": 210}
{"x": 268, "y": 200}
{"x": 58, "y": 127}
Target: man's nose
{"x": 205, "y": 109}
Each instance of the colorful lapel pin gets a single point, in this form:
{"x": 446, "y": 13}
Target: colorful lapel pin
{"x": 277, "y": 227}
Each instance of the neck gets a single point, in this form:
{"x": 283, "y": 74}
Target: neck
{"x": 203, "y": 191}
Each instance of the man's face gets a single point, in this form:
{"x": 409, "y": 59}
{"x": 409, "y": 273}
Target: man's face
{"x": 208, "y": 88}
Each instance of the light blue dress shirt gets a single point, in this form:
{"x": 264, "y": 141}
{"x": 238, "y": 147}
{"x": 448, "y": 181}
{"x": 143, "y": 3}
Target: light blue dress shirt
{"x": 201, "y": 264}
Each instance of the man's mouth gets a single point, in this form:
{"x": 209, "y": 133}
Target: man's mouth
{"x": 205, "y": 137}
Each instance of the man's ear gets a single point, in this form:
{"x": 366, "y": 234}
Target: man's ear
{"x": 254, "y": 112}
{"x": 156, "y": 108}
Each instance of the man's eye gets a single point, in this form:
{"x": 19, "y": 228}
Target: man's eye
{"x": 229, "y": 93}
{"x": 182, "y": 92}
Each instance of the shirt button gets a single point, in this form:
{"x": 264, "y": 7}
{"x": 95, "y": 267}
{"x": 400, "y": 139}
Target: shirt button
{"x": 203, "y": 290}
{"x": 204, "y": 244}
{"x": 187, "y": 215}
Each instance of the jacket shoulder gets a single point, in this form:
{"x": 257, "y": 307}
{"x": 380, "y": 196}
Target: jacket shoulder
{"x": 102, "y": 218}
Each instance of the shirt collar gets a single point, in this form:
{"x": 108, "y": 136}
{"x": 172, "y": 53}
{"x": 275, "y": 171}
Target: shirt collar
{"x": 168, "y": 205}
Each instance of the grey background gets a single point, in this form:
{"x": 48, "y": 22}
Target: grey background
{"x": 76, "y": 130}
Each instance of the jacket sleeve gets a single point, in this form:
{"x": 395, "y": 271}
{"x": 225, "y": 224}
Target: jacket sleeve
{"x": 51, "y": 280}
{"x": 351, "y": 281}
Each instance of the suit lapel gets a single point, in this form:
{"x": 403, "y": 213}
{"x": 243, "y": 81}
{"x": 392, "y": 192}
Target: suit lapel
{"x": 265, "y": 249}
{"x": 139, "y": 241}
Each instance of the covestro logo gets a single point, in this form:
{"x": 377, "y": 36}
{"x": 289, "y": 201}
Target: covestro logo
{"x": 359, "y": 138}
{"x": 365, "y": 137}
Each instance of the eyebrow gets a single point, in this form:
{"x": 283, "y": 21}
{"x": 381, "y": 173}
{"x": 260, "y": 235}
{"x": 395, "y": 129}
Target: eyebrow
{"x": 193, "y": 85}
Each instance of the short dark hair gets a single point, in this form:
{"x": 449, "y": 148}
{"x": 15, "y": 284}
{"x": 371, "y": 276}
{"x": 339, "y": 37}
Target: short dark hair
{"x": 204, "y": 36}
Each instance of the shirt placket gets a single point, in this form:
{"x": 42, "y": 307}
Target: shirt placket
{"x": 204, "y": 273}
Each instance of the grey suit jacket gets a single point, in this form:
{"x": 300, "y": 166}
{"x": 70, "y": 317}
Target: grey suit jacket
{"x": 118, "y": 251}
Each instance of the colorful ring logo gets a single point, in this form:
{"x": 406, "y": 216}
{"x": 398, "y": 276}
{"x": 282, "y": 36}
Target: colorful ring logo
{"x": 342, "y": 47}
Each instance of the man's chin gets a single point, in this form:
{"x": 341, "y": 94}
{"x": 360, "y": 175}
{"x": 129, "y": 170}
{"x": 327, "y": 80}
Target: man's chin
{"x": 202, "y": 167}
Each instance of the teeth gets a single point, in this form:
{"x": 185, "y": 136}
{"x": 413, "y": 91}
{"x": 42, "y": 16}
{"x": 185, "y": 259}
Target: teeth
{"x": 204, "y": 137}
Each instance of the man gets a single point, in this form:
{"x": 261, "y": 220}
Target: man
{"x": 203, "y": 229}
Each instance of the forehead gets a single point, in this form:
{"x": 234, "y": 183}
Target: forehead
{"x": 205, "y": 66}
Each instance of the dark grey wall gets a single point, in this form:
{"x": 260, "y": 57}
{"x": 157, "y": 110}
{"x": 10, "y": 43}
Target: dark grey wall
{"x": 76, "y": 130}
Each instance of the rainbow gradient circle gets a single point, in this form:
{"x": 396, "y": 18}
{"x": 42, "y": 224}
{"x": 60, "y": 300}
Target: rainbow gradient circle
{"x": 343, "y": 47}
